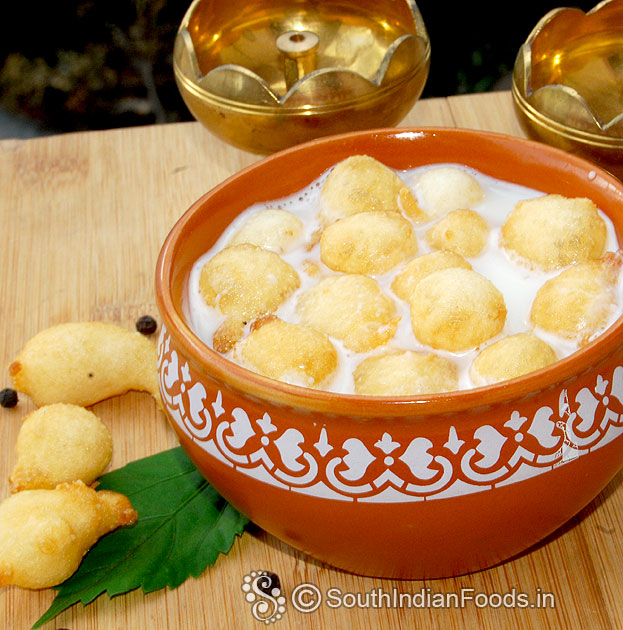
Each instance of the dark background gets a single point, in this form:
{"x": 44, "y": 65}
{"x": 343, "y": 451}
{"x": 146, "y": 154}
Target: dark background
{"x": 73, "y": 65}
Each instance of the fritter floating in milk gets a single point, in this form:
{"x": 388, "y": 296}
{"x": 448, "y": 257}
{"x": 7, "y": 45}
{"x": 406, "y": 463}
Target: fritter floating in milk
{"x": 553, "y": 231}
{"x": 512, "y": 356}
{"x": 289, "y": 352}
{"x": 456, "y": 309}
{"x": 244, "y": 282}
{"x": 405, "y": 373}
{"x": 580, "y": 301}
{"x": 351, "y": 308}
{"x": 362, "y": 184}
{"x": 272, "y": 228}
{"x": 418, "y": 268}
{"x": 463, "y": 232}
{"x": 447, "y": 188}
{"x": 367, "y": 242}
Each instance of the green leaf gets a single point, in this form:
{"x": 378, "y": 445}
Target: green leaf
{"x": 183, "y": 525}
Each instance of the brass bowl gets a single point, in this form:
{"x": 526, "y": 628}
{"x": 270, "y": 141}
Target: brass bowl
{"x": 267, "y": 76}
{"x": 568, "y": 83}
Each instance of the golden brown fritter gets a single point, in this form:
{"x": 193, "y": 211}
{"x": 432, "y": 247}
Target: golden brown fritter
{"x": 456, "y": 309}
{"x": 244, "y": 282}
{"x": 405, "y": 373}
{"x": 368, "y": 243}
{"x": 82, "y": 363}
{"x": 418, "y": 268}
{"x": 578, "y": 303}
{"x": 553, "y": 231}
{"x": 60, "y": 443}
{"x": 511, "y": 357}
{"x": 45, "y": 533}
{"x": 463, "y": 232}
{"x": 446, "y": 188}
{"x": 288, "y": 352}
{"x": 351, "y": 308}
{"x": 227, "y": 335}
{"x": 273, "y": 228}
{"x": 362, "y": 184}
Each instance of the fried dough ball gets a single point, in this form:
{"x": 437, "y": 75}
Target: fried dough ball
{"x": 361, "y": 184}
{"x": 247, "y": 281}
{"x": 244, "y": 282}
{"x": 227, "y": 334}
{"x": 273, "y": 229}
{"x": 456, "y": 309}
{"x": 553, "y": 231}
{"x": 60, "y": 443}
{"x": 464, "y": 232}
{"x": 82, "y": 363}
{"x": 418, "y": 268}
{"x": 579, "y": 301}
{"x": 510, "y": 357}
{"x": 351, "y": 308}
{"x": 367, "y": 242}
{"x": 405, "y": 373}
{"x": 288, "y": 352}
{"x": 45, "y": 533}
{"x": 447, "y": 188}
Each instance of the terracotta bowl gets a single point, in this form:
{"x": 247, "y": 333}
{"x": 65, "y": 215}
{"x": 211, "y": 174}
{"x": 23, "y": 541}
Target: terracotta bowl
{"x": 395, "y": 487}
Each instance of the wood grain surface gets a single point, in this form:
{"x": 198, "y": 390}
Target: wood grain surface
{"x": 82, "y": 220}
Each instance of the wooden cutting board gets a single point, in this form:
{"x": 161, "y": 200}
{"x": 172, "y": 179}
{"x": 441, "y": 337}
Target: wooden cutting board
{"x": 82, "y": 219}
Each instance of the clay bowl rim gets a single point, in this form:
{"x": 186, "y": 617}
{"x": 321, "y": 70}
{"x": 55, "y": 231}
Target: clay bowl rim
{"x": 252, "y": 384}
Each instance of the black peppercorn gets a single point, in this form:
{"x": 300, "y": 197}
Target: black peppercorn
{"x": 146, "y": 325}
{"x": 8, "y": 397}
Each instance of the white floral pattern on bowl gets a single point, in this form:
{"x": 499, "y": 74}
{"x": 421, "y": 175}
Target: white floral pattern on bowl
{"x": 381, "y": 469}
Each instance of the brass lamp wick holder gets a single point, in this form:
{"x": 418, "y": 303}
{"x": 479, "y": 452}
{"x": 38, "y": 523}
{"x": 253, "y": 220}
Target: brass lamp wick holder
{"x": 299, "y": 54}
